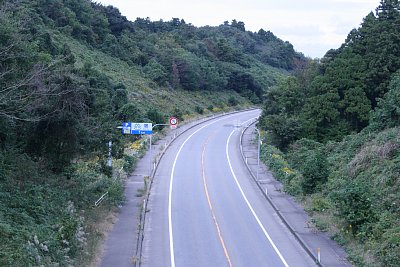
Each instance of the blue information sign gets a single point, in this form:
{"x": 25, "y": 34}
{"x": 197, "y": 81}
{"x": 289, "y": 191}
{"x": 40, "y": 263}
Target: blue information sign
{"x": 137, "y": 128}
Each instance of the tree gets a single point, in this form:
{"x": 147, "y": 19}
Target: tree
{"x": 156, "y": 72}
{"x": 387, "y": 113}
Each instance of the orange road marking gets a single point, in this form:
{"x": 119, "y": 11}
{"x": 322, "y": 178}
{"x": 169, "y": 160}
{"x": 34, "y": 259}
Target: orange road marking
{"x": 211, "y": 209}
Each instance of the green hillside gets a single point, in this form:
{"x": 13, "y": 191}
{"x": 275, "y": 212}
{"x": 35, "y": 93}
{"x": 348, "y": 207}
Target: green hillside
{"x": 337, "y": 122}
{"x": 71, "y": 71}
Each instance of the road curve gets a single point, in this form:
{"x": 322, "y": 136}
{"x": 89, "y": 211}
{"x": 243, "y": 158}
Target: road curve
{"x": 205, "y": 210}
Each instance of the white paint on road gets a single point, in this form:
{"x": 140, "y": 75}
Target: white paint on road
{"x": 171, "y": 237}
{"x": 249, "y": 205}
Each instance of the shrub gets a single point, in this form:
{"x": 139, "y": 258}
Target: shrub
{"x": 199, "y": 109}
{"x": 156, "y": 116}
{"x": 388, "y": 251}
{"x": 315, "y": 172}
{"x": 354, "y": 203}
{"x": 280, "y": 168}
{"x": 178, "y": 113}
{"x": 308, "y": 157}
{"x": 232, "y": 101}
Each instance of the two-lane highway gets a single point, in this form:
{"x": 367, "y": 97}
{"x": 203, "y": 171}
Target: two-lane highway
{"x": 205, "y": 210}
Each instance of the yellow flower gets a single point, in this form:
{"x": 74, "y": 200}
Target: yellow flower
{"x": 287, "y": 170}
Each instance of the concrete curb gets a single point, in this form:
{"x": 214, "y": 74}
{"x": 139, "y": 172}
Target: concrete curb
{"x": 298, "y": 237}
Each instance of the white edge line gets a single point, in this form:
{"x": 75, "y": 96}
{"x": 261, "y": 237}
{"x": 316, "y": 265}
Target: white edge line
{"x": 249, "y": 205}
{"x": 171, "y": 238}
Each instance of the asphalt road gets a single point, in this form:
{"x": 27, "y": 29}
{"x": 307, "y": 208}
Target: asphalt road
{"x": 205, "y": 210}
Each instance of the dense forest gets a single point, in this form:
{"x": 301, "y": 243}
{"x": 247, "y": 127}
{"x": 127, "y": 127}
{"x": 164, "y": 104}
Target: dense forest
{"x": 336, "y": 122}
{"x": 71, "y": 71}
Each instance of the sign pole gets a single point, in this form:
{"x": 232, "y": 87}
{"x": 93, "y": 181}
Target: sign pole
{"x": 150, "y": 170}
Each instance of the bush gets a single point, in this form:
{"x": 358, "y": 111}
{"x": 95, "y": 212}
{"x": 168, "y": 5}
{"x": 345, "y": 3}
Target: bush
{"x": 280, "y": 168}
{"x": 232, "y": 101}
{"x": 129, "y": 163}
{"x": 307, "y": 156}
{"x": 354, "y": 203}
{"x": 388, "y": 251}
{"x": 156, "y": 116}
{"x": 387, "y": 114}
{"x": 315, "y": 172}
{"x": 178, "y": 113}
{"x": 199, "y": 110}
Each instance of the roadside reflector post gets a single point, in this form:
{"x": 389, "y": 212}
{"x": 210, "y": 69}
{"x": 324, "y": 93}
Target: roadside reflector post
{"x": 319, "y": 255}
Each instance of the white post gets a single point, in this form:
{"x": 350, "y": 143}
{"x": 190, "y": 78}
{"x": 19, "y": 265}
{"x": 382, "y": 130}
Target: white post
{"x": 109, "y": 161}
{"x": 319, "y": 255}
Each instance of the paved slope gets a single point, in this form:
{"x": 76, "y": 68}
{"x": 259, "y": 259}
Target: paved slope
{"x": 205, "y": 211}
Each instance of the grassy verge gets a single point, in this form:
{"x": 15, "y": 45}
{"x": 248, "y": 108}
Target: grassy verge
{"x": 351, "y": 190}
{"x": 51, "y": 220}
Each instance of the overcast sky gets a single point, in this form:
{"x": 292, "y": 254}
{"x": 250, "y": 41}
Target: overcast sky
{"x": 312, "y": 26}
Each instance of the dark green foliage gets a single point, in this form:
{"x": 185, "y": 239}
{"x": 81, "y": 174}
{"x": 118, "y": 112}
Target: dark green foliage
{"x": 232, "y": 101}
{"x": 41, "y": 218}
{"x": 244, "y": 84}
{"x": 130, "y": 113}
{"x": 199, "y": 109}
{"x": 178, "y": 113}
{"x": 336, "y": 98}
{"x": 156, "y": 72}
{"x": 281, "y": 169}
{"x": 280, "y": 116}
{"x": 308, "y": 157}
{"x": 388, "y": 252}
{"x": 338, "y": 122}
{"x": 387, "y": 114}
{"x": 357, "y": 182}
{"x": 156, "y": 116}
{"x": 355, "y": 205}
{"x": 58, "y": 111}
{"x": 175, "y": 53}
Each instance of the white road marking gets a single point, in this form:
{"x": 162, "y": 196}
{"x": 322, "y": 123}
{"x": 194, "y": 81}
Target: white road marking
{"x": 249, "y": 205}
{"x": 171, "y": 238}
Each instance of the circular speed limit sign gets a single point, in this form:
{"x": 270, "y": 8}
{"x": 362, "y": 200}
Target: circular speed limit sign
{"x": 173, "y": 121}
